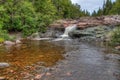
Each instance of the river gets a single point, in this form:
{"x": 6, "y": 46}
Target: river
{"x": 60, "y": 60}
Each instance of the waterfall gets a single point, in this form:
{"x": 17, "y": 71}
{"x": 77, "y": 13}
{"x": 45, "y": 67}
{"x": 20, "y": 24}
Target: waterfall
{"x": 68, "y": 30}
{"x": 65, "y": 35}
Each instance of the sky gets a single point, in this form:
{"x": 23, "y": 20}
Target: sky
{"x": 89, "y": 5}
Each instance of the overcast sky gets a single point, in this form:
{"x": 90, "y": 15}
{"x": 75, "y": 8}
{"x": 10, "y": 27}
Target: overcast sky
{"x": 90, "y": 5}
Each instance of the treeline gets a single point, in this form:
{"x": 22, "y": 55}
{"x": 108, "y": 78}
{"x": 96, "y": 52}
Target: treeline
{"x": 29, "y": 16}
{"x": 109, "y": 8}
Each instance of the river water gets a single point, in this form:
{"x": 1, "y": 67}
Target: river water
{"x": 62, "y": 60}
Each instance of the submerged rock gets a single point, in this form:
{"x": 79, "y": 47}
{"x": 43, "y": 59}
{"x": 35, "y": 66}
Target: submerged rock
{"x": 4, "y": 65}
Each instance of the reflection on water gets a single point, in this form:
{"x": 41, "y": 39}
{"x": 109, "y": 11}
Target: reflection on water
{"x": 30, "y": 52}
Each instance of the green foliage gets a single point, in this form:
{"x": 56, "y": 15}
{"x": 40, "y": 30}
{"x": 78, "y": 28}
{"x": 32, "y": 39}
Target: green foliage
{"x": 31, "y": 16}
{"x": 94, "y": 13}
{"x": 109, "y": 8}
{"x": 116, "y": 8}
{"x": 1, "y": 40}
{"x": 65, "y": 9}
{"x": 18, "y": 16}
{"x": 116, "y": 37}
{"x": 4, "y": 35}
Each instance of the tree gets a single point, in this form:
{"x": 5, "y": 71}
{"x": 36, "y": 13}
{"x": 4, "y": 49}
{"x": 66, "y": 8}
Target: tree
{"x": 99, "y": 12}
{"x": 19, "y": 16}
{"x": 65, "y": 9}
{"x": 94, "y": 13}
{"x": 105, "y": 10}
{"x": 107, "y": 6}
{"x": 116, "y": 8}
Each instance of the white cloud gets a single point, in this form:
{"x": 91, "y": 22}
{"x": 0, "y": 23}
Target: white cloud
{"x": 90, "y": 5}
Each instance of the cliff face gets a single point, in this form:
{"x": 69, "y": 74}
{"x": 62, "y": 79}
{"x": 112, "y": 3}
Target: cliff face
{"x": 85, "y": 22}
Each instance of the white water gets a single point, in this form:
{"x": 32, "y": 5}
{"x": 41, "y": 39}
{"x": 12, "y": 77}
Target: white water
{"x": 65, "y": 36}
{"x": 68, "y": 30}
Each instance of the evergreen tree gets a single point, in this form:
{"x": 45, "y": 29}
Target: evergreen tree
{"x": 107, "y": 6}
{"x": 105, "y": 10}
{"x": 99, "y": 12}
{"x": 94, "y": 13}
{"x": 116, "y": 8}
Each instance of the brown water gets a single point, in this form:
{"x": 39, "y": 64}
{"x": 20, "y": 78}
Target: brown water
{"x": 27, "y": 54}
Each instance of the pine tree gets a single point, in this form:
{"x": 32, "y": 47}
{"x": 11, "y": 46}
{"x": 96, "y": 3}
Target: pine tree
{"x": 94, "y": 13}
{"x": 116, "y": 8}
{"x": 107, "y": 7}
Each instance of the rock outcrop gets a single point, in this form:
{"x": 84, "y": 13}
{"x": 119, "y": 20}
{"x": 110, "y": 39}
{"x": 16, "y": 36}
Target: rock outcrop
{"x": 98, "y": 32}
{"x": 85, "y": 22}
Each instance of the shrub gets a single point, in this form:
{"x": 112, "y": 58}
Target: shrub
{"x": 1, "y": 40}
{"x": 116, "y": 36}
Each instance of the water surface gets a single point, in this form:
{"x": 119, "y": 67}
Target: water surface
{"x": 29, "y": 53}
{"x": 64, "y": 60}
